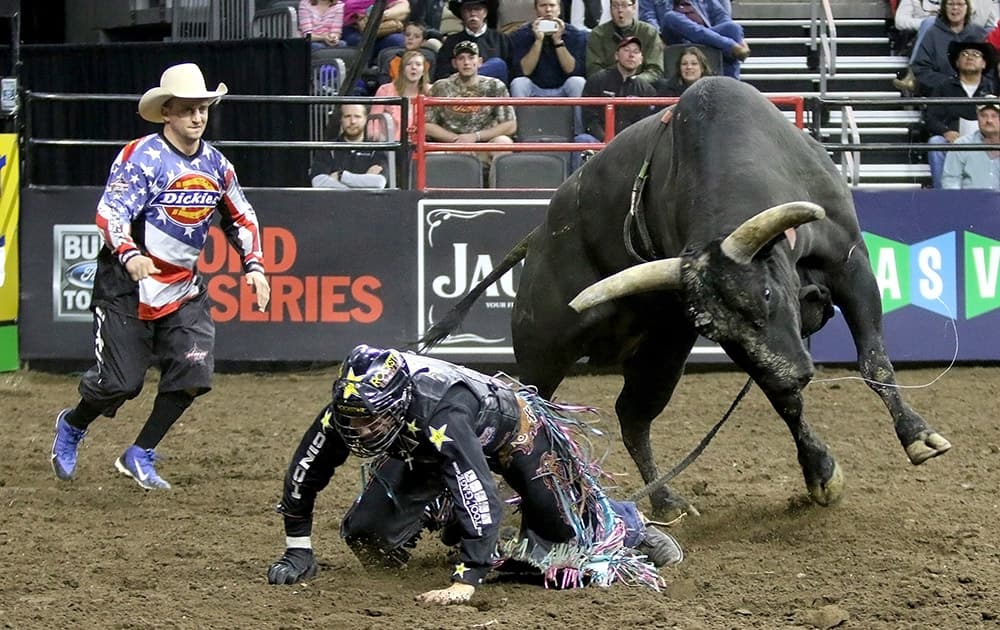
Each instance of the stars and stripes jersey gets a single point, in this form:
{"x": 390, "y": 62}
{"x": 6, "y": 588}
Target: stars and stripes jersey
{"x": 160, "y": 203}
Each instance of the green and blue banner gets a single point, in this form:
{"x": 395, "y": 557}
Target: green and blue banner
{"x": 936, "y": 257}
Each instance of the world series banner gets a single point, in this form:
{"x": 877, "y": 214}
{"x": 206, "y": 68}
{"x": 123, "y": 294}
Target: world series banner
{"x": 9, "y": 204}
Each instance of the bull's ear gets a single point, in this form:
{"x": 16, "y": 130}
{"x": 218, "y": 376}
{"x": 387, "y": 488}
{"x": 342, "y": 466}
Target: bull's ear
{"x": 790, "y": 235}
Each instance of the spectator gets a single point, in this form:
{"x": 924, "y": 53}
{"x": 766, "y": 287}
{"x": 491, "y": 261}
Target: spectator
{"x": 931, "y": 66}
{"x": 390, "y": 31}
{"x": 706, "y": 22}
{"x": 976, "y": 169}
{"x": 323, "y": 22}
{"x": 622, "y": 81}
{"x": 344, "y": 169}
{"x": 916, "y": 17}
{"x": 691, "y": 66}
{"x": 548, "y": 54}
{"x": 946, "y": 123}
{"x": 491, "y": 43}
{"x": 470, "y": 123}
{"x": 591, "y": 12}
{"x": 414, "y": 36}
{"x": 602, "y": 43}
{"x": 412, "y": 80}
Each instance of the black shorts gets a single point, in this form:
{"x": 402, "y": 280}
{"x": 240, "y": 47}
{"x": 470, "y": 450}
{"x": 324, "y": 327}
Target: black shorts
{"x": 182, "y": 344}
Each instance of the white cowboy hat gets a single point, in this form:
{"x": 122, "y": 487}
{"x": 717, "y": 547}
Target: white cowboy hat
{"x": 181, "y": 81}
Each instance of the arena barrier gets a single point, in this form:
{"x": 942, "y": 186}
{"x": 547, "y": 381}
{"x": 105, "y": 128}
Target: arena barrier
{"x": 379, "y": 266}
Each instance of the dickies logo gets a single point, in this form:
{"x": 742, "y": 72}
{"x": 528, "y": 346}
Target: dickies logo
{"x": 188, "y": 199}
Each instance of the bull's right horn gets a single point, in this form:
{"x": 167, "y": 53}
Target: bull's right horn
{"x": 757, "y": 231}
{"x": 651, "y": 276}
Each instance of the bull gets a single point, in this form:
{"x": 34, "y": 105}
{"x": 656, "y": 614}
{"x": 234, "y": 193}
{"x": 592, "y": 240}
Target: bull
{"x": 752, "y": 238}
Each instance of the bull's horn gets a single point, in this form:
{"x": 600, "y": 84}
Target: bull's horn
{"x": 757, "y": 231}
{"x": 650, "y": 276}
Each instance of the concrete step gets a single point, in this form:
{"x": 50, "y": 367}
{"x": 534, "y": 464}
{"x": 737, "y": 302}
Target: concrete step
{"x": 844, "y": 63}
{"x": 886, "y": 118}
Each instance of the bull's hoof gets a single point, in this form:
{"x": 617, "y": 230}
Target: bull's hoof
{"x": 928, "y": 444}
{"x": 829, "y": 492}
{"x": 668, "y": 506}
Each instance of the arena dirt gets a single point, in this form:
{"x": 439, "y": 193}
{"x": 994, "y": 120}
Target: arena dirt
{"x": 908, "y": 547}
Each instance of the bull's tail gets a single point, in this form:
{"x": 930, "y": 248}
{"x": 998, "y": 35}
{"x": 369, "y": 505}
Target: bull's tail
{"x": 453, "y": 318}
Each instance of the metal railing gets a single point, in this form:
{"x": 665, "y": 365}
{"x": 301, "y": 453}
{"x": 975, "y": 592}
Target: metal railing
{"x": 823, "y": 40}
{"x": 423, "y": 147}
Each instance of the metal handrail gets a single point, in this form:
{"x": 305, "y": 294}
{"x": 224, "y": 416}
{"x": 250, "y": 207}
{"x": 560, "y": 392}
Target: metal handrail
{"x": 823, "y": 40}
{"x": 851, "y": 159}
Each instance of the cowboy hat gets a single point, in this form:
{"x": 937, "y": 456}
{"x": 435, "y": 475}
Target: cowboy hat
{"x": 954, "y": 48}
{"x": 181, "y": 81}
{"x": 455, "y": 6}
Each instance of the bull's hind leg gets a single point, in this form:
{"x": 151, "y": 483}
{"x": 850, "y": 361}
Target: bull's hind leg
{"x": 650, "y": 378}
{"x": 863, "y": 312}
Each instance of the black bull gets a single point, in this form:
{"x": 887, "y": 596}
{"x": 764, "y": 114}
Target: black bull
{"x": 755, "y": 234}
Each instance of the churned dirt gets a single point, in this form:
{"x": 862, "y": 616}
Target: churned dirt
{"x": 908, "y": 547}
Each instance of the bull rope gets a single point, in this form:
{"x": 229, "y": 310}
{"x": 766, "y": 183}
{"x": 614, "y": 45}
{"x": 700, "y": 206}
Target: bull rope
{"x": 655, "y": 484}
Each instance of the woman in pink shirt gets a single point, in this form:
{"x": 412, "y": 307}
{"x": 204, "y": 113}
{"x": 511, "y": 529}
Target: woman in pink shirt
{"x": 323, "y": 20}
{"x": 413, "y": 80}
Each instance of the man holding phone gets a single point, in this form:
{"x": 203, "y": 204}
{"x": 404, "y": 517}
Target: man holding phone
{"x": 549, "y": 55}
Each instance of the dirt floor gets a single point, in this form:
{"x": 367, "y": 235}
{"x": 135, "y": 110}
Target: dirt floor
{"x": 908, "y": 547}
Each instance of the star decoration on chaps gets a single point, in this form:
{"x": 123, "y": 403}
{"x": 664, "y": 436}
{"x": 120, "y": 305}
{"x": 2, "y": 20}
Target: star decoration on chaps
{"x": 325, "y": 420}
{"x": 412, "y": 427}
{"x": 460, "y": 569}
{"x": 438, "y": 438}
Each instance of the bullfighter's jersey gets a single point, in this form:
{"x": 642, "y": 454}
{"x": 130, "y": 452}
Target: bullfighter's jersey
{"x": 159, "y": 202}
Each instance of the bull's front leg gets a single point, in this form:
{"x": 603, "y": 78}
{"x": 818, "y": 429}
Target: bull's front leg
{"x": 822, "y": 474}
{"x": 921, "y": 440}
{"x": 862, "y": 310}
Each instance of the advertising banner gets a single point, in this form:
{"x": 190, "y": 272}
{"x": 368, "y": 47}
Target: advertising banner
{"x": 339, "y": 264}
{"x": 10, "y": 191}
{"x": 936, "y": 256}
{"x": 381, "y": 267}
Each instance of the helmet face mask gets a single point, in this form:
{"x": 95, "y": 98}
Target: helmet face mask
{"x": 370, "y": 399}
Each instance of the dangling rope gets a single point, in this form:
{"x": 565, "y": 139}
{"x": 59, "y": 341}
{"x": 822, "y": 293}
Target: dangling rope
{"x": 655, "y": 484}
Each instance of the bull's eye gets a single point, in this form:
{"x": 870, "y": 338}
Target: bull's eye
{"x": 767, "y": 294}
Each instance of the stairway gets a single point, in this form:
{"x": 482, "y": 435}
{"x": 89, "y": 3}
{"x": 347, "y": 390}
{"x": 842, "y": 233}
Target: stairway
{"x": 782, "y": 64}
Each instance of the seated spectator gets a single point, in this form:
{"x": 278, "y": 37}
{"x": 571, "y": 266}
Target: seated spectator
{"x": 623, "y": 81}
{"x": 591, "y": 12}
{"x": 976, "y": 169}
{"x": 411, "y": 81}
{"x": 691, "y": 66}
{"x": 549, "y": 55}
{"x": 706, "y": 22}
{"x": 390, "y": 31}
{"x": 322, "y": 21}
{"x": 491, "y": 43}
{"x": 947, "y": 122}
{"x": 915, "y": 17}
{"x": 349, "y": 168}
{"x": 413, "y": 35}
{"x": 931, "y": 66}
{"x": 495, "y": 124}
{"x": 602, "y": 43}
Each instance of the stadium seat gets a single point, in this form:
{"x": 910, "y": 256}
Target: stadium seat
{"x": 529, "y": 170}
{"x": 544, "y": 123}
{"x": 673, "y": 52}
{"x": 452, "y": 170}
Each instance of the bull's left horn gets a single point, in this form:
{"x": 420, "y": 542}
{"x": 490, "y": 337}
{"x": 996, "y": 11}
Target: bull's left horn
{"x": 650, "y": 276}
{"x": 757, "y": 231}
